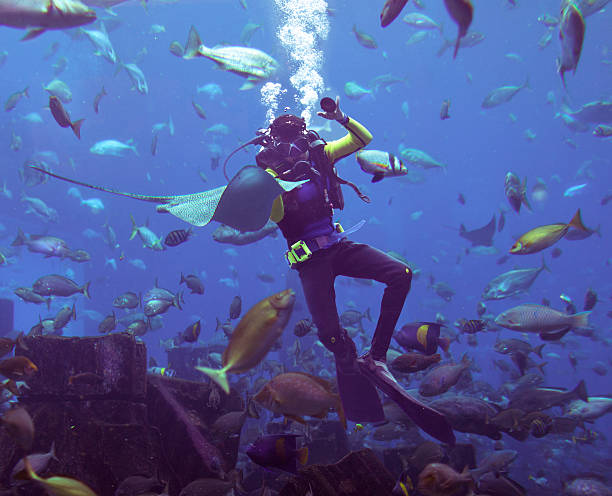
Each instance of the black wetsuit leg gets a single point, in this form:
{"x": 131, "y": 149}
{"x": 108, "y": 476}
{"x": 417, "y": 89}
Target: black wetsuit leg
{"x": 364, "y": 262}
{"x": 318, "y": 276}
{"x": 353, "y": 260}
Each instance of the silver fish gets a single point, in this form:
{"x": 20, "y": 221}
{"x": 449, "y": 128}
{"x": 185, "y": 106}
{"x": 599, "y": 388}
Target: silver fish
{"x": 512, "y": 283}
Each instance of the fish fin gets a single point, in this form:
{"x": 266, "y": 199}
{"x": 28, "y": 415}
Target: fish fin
{"x": 247, "y": 85}
{"x": 219, "y": 376}
{"x": 192, "y": 47}
{"x": 445, "y": 46}
{"x": 544, "y": 266}
{"x": 73, "y": 313}
{"x": 302, "y": 455}
{"x": 581, "y": 391}
{"x": 378, "y": 177}
{"x": 538, "y": 349}
{"x": 554, "y": 336}
{"x": 33, "y": 33}
{"x": 456, "y": 47}
{"x": 541, "y": 366}
{"x": 20, "y": 239}
{"x": 526, "y": 83}
{"x": 576, "y": 222}
{"x": 581, "y": 319}
{"x": 367, "y": 314}
{"x": 444, "y": 343}
{"x": 176, "y": 301}
{"x": 76, "y": 127}
{"x": 134, "y": 228}
{"x": 597, "y": 230}
{"x": 85, "y": 290}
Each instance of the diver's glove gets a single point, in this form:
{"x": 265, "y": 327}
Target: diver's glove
{"x": 336, "y": 115}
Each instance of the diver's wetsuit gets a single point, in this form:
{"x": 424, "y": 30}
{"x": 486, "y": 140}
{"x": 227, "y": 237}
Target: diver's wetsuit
{"x": 307, "y": 216}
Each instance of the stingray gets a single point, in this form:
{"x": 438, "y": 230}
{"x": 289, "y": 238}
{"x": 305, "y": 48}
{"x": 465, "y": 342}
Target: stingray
{"x": 483, "y": 236}
{"x": 244, "y": 204}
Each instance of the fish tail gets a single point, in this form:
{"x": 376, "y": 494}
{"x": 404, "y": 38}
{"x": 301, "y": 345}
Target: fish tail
{"x": 29, "y": 470}
{"x": 134, "y": 228}
{"x": 20, "y": 239}
{"x": 73, "y": 313}
{"x": 176, "y": 301}
{"x": 597, "y": 230}
{"x": 26, "y": 92}
{"x": 367, "y": 315}
{"x": 182, "y": 279}
{"x": 85, "y": 290}
{"x": 581, "y": 391}
{"x": 544, "y": 266}
{"x": 541, "y": 366}
{"x": 445, "y": 46}
{"x": 524, "y": 199}
{"x": 538, "y": 349}
{"x": 581, "y": 319}
{"x": 219, "y": 376}
{"x": 302, "y": 455}
{"x": 444, "y": 344}
{"x": 526, "y": 83}
{"x": 49, "y": 303}
{"x": 576, "y": 222}
{"x": 76, "y": 127}
{"x": 456, "y": 46}
{"x": 219, "y": 324}
{"x": 192, "y": 47}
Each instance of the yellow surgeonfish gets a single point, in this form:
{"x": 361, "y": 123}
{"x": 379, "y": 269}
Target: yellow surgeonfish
{"x": 253, "y": 337}
{"x": 59, "y": 486}
{"x": 544, "y": 236}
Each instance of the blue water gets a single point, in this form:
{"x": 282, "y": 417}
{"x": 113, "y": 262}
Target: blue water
{"x": 479, "y": 147}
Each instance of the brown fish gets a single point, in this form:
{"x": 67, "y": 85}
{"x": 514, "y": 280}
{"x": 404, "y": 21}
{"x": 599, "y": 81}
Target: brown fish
{"x": 438, "y": 479}
{"x": 253, "y": 337}
{"x": 571, "y": 35}
{"x": 17, "y": 368}
{"x": 462, "y": 12}
{"x": 442, "y": 378}
{"x": 390, "y": 11}
{"x": 296, "y": 394}
{"x": 409, "y": 363}
{"x": 20, "y": 426}
{"x": 13, "y": 100}
{"x": 61, "y": 116}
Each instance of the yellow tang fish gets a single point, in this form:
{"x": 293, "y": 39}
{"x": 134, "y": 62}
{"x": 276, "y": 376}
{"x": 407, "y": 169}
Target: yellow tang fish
{"x": 253, "y": 337}
{"x": 60, "y": 486}
{"x": 544, "y": 236}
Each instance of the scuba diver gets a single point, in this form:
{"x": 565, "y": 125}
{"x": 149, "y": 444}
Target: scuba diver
{"x": 320, "y": 251}
{"x": 295, "y": 184}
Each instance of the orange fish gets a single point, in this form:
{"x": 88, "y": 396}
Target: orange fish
{"x": 17, "y": 368}
{"x": 296, "y": 394}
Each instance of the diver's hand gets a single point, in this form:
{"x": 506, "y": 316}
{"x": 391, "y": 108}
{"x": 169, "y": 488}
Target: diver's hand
{"x": 336, "y": 115}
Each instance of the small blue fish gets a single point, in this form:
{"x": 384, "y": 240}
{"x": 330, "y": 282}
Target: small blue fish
{"x": 574, "y": 190}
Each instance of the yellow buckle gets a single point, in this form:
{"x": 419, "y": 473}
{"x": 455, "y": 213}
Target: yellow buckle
{"x": 298, "y": 253}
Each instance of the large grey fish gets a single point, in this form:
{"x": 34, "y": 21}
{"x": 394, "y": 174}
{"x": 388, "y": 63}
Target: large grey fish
{"x": 137, "y": 77}
{"x": 542, "y": 398}
{"x": 549, "y": 323}
{"x": 58, "y": 285}
{"x": 49, "y": 246}
{"x": 229, "y": 235}
{"x": 113, "y": 148}
{"x": 247, "y": 62}
{"x": 44, "y": 14}
{"x": 597, "y": 112}
{"x": 502, "y": 95}
{"x": 596, "y": 407}
{"x": 59, "y": 89}
{"x": 512, "y": 283}
{"x": 571, "y": 35}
